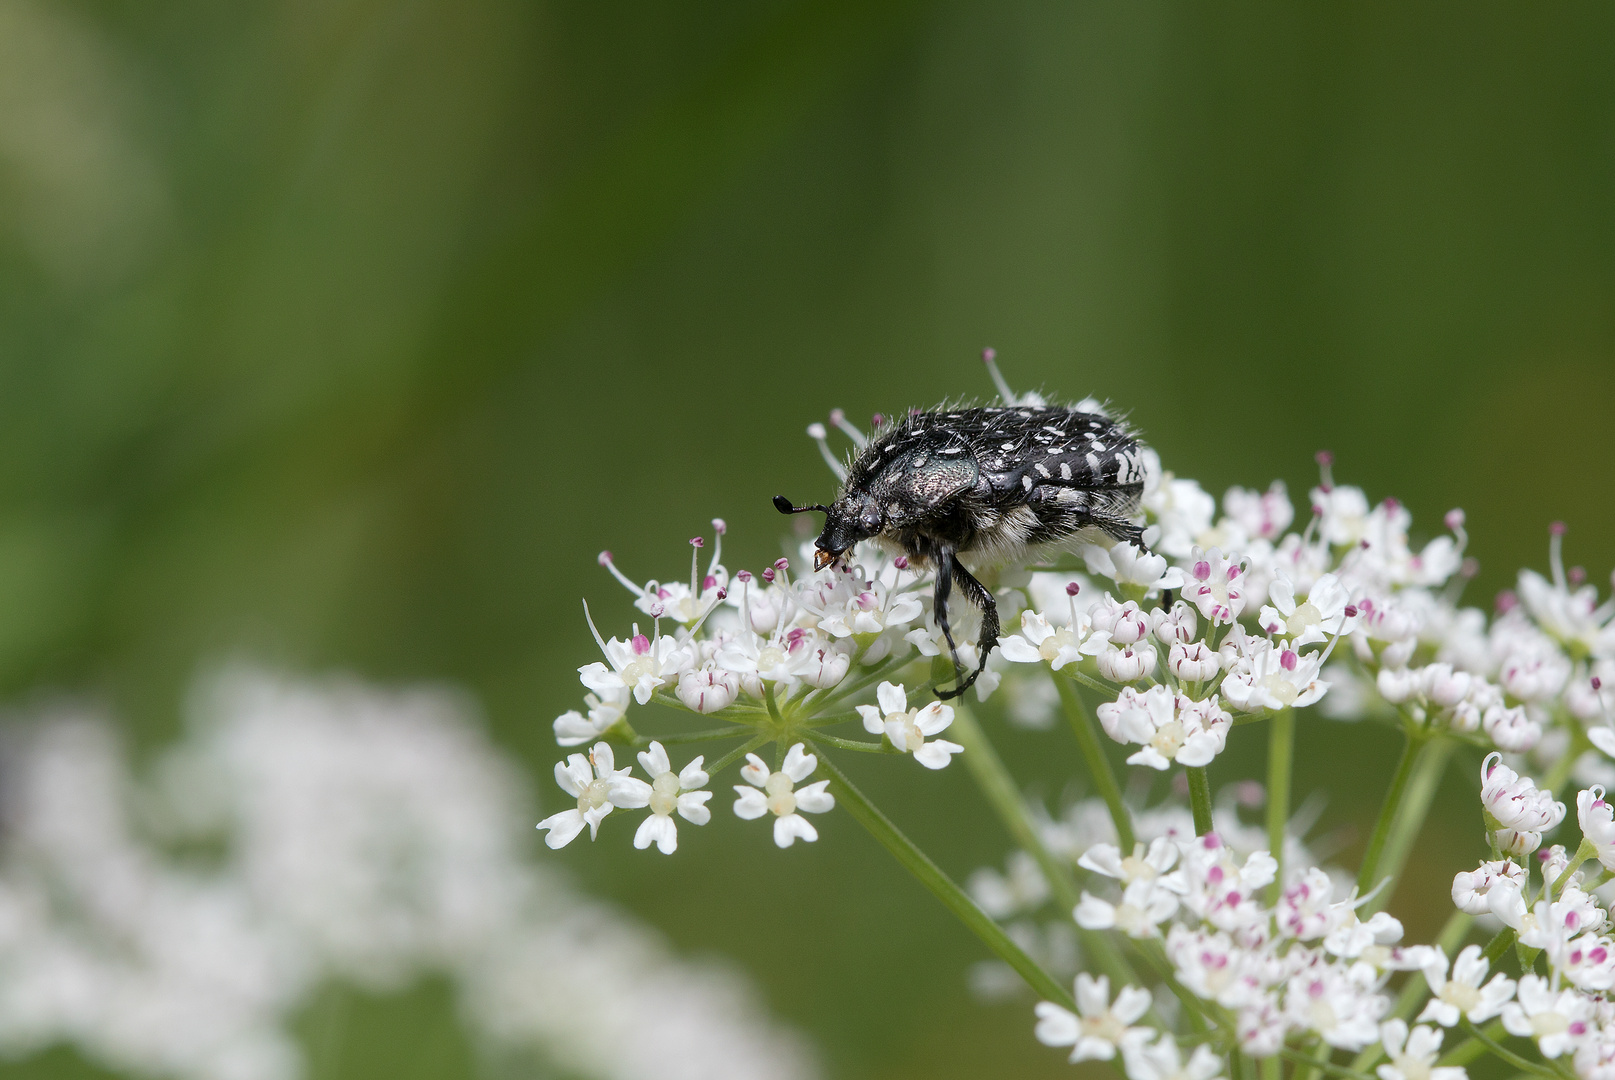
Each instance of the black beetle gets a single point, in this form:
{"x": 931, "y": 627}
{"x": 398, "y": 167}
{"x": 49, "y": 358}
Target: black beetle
{"x": 995, "y": 483}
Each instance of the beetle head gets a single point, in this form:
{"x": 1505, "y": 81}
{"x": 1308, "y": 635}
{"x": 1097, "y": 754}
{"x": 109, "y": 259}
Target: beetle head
{"x": 851, "y": 519}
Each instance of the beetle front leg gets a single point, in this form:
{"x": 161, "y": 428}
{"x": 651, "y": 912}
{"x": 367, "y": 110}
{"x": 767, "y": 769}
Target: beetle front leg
{"x": 979, "y": 595}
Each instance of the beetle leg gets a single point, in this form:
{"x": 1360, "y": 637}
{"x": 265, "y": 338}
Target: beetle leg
{"x": 983, "y": 599}
{"x": 945, "y": 568}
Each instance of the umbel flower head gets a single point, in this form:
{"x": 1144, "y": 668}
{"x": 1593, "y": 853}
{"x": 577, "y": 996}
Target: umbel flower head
{"x": 1157, "y": 923}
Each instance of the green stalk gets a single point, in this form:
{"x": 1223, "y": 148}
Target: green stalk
{"x": 1272, "y": 1069}
{"x": 1421, "y": 792}
{"x": 943, "y": 888}
{"x": 1199, "y": 799}
{"x": 1004, "y": 796}
{"x": 1308, "y": 1064}
{"x": 1585, "y": 851}
{"x": 1305, "y": 1063}
{"x": 744, "y": 748}
{"x": 1104, "y": 778}
{"x": 1499, "y": 945}
{"x": 1280, "y": 764}
{"x": 1368, "y": 875}
{"x": 1507, "y": 1055}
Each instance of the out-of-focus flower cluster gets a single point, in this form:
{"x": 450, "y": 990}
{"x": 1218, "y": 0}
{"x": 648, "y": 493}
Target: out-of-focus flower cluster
{"x": 1229, "y": 618}
{"x": 301, "y": 833}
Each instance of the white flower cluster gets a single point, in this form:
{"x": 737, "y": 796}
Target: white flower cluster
{"x": 1229, "y": 618}
{"x": 364, "y": 837}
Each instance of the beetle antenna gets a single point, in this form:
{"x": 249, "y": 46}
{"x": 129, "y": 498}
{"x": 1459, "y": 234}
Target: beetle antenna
{"x": 783, "y": 505}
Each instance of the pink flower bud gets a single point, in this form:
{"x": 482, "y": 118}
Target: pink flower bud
{"x": 1454, "y": 519}
{"x": 696, "y": 542}
{"x": 720, "y": 526}
{"x": 1072, "y": 588}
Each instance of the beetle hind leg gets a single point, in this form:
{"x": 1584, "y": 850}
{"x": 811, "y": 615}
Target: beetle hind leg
{"x": 979, "y": 595}
{"x": 945, "y": 570}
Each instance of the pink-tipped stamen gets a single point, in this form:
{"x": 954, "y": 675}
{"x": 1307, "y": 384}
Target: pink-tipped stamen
{"x": 817, "y": 433}
{"x": 839, "y": 419}
{"x": 990, "y": 358}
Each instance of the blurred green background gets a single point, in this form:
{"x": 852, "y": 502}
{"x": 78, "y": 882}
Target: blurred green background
{"x": 344, "y": 334}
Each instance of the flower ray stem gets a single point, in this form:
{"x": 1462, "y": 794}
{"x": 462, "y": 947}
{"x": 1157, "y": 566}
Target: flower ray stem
{"x": 1280, "y": 766}
{"x": 1507, "y": 1055}
{"x": 857, "y": 745}
{"x": 1499, "y": 945}
{"x": 1421, "y": 792}
{"x": 1271, "y": 1069}
{"x": 740, "y": 751}
{"x": 1306, "y": 1063}
{"x": 1368, "y": 874}
{"x": 642, "y": 741}
{"x": 1002, "y": 794}
{"x": 943, "y": 887}
{"x": 1104, "y": 777}
{"x": 1584, "y": 851}
{"x": 1199, "y": 799}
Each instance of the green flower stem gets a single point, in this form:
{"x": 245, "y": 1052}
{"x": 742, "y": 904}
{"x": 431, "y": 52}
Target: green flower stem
{"x": 1200, "y": 799}
{"x": 1002, "y": 794}
{"x": 1499, "y": 945}
{"x": 1508, "y": 1056}
{"x": 1104, "y": 777}
{"x": 1280, "y": 764}
{"x": 1470, "y": 1049}
{"x": 1583, "y": 853}
{"x": 1271, "y": 1068}
{"x": 1421, "y": 792}
{"x": 859, "y": 745}
{"x": 1368, "y": 875}
{"x": 1306, "y": 1063}
{"x": 943, "y": 888}
{"x": 1318, "y": 1059}
{"x": 744, "y": 748}
{"x": 642, "y": 741}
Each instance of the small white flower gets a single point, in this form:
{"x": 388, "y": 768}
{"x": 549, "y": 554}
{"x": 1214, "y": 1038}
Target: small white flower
{"x": 1192, "y": 662}
{"x": 1174, "y": 627}
{"x": 667, "y": 792}
{"x": 1471, "y": 889}
{"x": 1098, "y": 1027}
{"x": 1555, "y": 1020}
{"x": 1128, "y": 663}
{"x": 910, "y": 730}
{"x": 1141, "y": 865}
{"x": 1413, "y": 1054}
{"x": 1264, "y": 514}
{"x": 1597, "y": 821}
{"x": 1144, "y": 906}
{"x": 1023, "y": 888}
{"x": 1161, "y": 1060}
{"x": 573, "y": 728}
{"x": 1462, "y": 995}
{"x": 1124, "y": 623}
{"x": 597, "y": 785}
{"x": 1514, "y": 801}
{"x": 1169, "y": 727}
{"x": 708, "y": 689}
{"x": 1127, "y": 565}
{"x": 639, "y": 665}
{"x": 868, "y": 609}
{"x": 1214, "y": 585}
{"x": 1326, "y": 611}
{"x": 1273, "y": 677}
{"x": 1057, "y": 646}
{"x": 1341, "y": 1005}
{"x": 1512, "y": 729}
{"x": 775, "y": 793}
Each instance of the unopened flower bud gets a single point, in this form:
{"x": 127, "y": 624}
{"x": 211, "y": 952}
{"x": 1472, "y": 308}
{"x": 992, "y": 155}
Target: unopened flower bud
{"x": 1177, "y": 625}
{"x": 1127, "y": 664}
{"x": 1192, "y": 661}
{"x": 1397, "y": 685}
{"x": 708, "y": 690}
